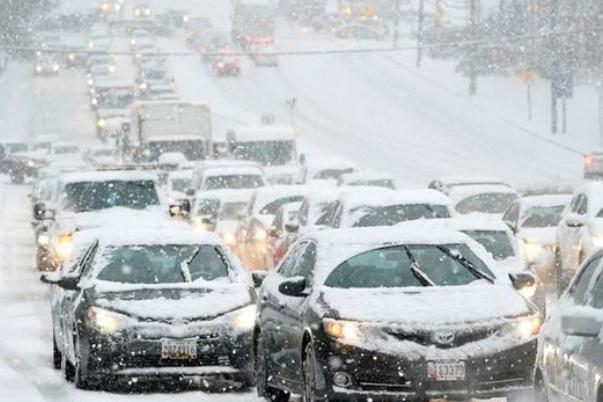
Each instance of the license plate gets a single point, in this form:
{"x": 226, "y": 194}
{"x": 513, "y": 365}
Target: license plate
{"x": 178, "y": 350}
{"x": 446, "y": 371}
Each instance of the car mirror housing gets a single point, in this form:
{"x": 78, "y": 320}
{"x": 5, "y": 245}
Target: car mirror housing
{"x": 258, "y": 278}
{"x": 574, "y": 221}
{"x": 522, "y": 280}
{"x": 292, "y": 227}
{"x": 294, "y": 287}
{"x": 580, "y": 323}
{"x": 38, "y": 211}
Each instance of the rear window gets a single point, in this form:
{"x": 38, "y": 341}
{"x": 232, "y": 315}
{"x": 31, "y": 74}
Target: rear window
{"x": 392, "y": 215}
{"x": 543, "y": 217}
{"x": 492, "y": 203}
{"x": 233, "y": 182}
{"x": 94, "y": 196}
{"x": 272, "y": 207}
{"x": 497, "y": 243}
{"x": 392, "y": 267}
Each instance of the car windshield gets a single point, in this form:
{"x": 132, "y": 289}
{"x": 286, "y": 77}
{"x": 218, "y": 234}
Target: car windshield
{"x": 331, "y": 174}
{"x": 13, "y": 148}
{"x": 409, "y": 266}
{"x": 392, "y": 215}
{"x": 497, "y": 243}
{"x": 180, "y": 185}
{"x": 490, "y": 203}
{"x": 273, "y": 206}
{"x": 161, "y": 264}
{"x": 270, "y": 153}
{"x": 233, "y": 182}
{"x": 65, "y": 149}
{"x": 191, "y": 149}
{"x": 232, "y": 210}
{"x": 542, "y": 217}
{"x": 98, "y": 195}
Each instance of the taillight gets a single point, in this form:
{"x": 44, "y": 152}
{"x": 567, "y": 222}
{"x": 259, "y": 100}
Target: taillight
{"x": 589, "y": 160}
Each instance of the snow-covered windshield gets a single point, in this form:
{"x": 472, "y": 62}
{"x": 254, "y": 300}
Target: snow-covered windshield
{"x": 490, "y": 203}
{"x": 191, "y": 149}
{"x": 161, "y": 264}
{"x": 409, "y": 266}
{"x": 394, "y": 214}
{"x": 497, "y": 243}
{"x": 270, "y": 153}
{"x": 542, "y": 217}
{"x": 207, "y": 207}
{"x": 273, "y": 206}
{"x": 232, "y": 210}
{"x": 233, "y": 182}
{"x": 98, "y": 195}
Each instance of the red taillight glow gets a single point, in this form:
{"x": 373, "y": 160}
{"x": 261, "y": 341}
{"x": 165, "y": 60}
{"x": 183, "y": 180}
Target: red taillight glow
{"x": 589, "y": 160}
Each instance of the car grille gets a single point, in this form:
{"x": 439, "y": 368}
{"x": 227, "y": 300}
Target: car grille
{"x": 430, "y": 338}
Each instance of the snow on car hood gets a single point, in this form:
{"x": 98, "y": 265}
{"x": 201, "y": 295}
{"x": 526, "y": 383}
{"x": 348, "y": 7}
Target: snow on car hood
{"x": 428, "y": 307}
{"x": 80, "y": 221}
{"x": 187, "y": 302}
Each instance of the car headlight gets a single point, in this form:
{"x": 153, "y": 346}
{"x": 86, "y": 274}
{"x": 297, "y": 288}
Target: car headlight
{"x": 101, "y": 123}
{"x": 43, "y": 239}
{"x": 229, "y": 238}
{"x": 244, "y": 318}
{"x": 143, "y": 86}
{"x": 112, "y": 69}
{"x": 55, "y": 67}
{"x": 94, "y": 101}
{"x": 106, "y": 321}
{"x": 137, "y": 12}
{"x": 344, "y": 330}
{"x": 91, "y": 45}
{"x": 90, "y": 82}
{"x": 523, "y": 328}
{"x": 260, "y": 234}
{"x": 31, "y": 163}
{"x": 71, "y": 56}
{"x": 531, "y": 250}
{"x": 39, "y": 69}
{"x": 64, "y": 246}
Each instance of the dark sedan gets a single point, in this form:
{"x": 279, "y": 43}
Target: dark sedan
{"x": 408, "y": 313}
{"x": 173, "y": 305}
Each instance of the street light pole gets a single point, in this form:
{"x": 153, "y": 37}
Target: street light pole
{"x": 397, "y": 23}
{"x": 421, "y": 19}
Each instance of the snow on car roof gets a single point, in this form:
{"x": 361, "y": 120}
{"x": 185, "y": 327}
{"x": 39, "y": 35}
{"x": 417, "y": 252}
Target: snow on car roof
{"x": 362, "y": 176}
{"x": 470, "y": 180}
{"x": 227, "y": 195}
{"x": 548, "y": 200}
{"x": 233, "y": 171}
{"x": 226, "y": 163}
{"x": 461, "y": 192}
{"x": 180, "y": 174}
{"x": 107, "y": 175}
{"x": 385, "y": 198}
{"x": 272, "y": 132}
{"x": 476, "y": 222}
{"x": 331, "y": 163}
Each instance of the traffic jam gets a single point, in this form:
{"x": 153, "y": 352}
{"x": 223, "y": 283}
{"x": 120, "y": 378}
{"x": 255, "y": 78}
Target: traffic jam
{"x": 178, "y": 249}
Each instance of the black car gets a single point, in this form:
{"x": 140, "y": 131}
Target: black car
{"x": 160, "y": 304}
{"x": 407, "y": 313}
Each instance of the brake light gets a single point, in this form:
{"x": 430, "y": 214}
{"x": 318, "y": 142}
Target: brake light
{"x": 589, "y": 160}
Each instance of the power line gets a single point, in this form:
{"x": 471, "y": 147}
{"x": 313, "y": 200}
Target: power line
{"x": 477, "y": 43}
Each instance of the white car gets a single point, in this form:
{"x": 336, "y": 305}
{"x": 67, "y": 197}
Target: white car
{"x": 178, "y": 182}
{"x": 488, "y": 199}
{"x": 327, "y": 171}
{"x": 534, "y": 221}
{"x": 374, "y": 179}
{"x": 243, "y": 177}
{"x": 579, "y": 232}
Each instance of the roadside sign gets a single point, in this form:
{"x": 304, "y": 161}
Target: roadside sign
{"x": 563, "y": 84}
{"x": 528, "y": 76}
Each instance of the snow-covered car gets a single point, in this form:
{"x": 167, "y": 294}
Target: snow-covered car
{"x": 580, "y": 231}
{"x": 383, "y": 207}
{"x": 221, "y": 211}
{"x": 448, "y": 183}
{"x": 328, "y": 171}
{"x": 317, "y": 207}
{"x": 211, "y": 42}
{"x": 534, "y": 221}
{"x": 43, "y": 142}
{"x": 593, "y": 165}
{"x": 178, "y": 182}
{"x": 160, "y": 91}
{"x": 263, "y": 55}
{"x": 359, "y": 31}
{"x": 253, "y": 232}
{"x": 407, "y": 312}
{"x": 226, "y": 64}
{"x": 285, "y": 231}
{"x": 152, "y": 302}
{"x": 139, "y": 35}
{"x": 569, "y": 364}
{"x": 81, "y": 202}
{"x": 13, "y": 146}
{"x": 231, "y": 177}
{"x": 47, "y": 65}
{"x": 375, "y": 179}
{"x": 105, "y": 155}
{"x": 488, "y": 199}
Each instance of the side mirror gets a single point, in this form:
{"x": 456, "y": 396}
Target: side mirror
{"x": 511, "y": 226}
{"x": 292, "y": 228}
{"x": 302, "y": 159}
{"x": 522, "y": 280}
{"x": 49, "y": 214}
{"x": 190, "y": 192}
{"x": 66, "y": 282}
{"x": 258, "y": 277}
{"x": 38, "y": 211}
{"x": 575, "y": 221}
{"x": 580, "y": 323}
{"x": 294, "y": 287}
{"x": 180, "y": 208}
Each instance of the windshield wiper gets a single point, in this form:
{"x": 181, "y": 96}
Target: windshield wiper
{"x": 185, "y": 266}
{"x": 415, "y": 268}
{"x": 467, "y": 264}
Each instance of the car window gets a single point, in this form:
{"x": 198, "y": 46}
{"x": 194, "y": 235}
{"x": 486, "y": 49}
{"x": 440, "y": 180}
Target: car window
{"x": 583, "y": 206}
{"x": 490, "y": 203}
{"x": 273, "y": 206}
{"x": 394, "y": 214}
{"x": 287, "y": 266}
{"x": 512, "y": 213}
{"x": 582, "y": 283}
{"x": 304, "y": 265}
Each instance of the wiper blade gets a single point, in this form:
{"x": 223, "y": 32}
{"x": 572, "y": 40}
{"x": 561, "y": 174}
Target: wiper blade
{"x": 467, "y": 264}
{"x": 185, "y": 266}
{"x": 415, "y": 268}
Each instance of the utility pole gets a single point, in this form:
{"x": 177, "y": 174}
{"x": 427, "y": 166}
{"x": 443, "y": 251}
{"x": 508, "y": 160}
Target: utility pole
{"x": 397, "y": 23}
{"x": 555, "y": 67}
{"x": 473, "y": 15}
{"x": 421, "y": 18}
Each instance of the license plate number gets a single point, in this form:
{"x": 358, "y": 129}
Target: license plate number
{"x": 178, "y": 350}
{"x": 446, "y": 371}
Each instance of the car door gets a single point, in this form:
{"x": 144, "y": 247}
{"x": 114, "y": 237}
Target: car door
{"x": 577, "y": 233}
{"x": 272, "y": 315}
{"x": 568, "y": 234}
{"x": 295, "y": 308}
{"x": 556, "y": 355}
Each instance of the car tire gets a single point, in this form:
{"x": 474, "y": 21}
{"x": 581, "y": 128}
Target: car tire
{"x": 264, "y": 390}
{"x": 309, "y": 370}
{"x": 56, "y": 354}
{"x": 81, "y": 380}
{"x": 68, "y": 369}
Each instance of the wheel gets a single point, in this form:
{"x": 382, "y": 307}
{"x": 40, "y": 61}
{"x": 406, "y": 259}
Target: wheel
{"x": 68, "y": 369}
{"x": 81, "y": 381}
{"x": 265, "y": 390}
{"x": 309, "y": 369}
{"x": 56, "y": 354}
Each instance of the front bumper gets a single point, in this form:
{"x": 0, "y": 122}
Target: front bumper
{"x": 382, "y": 376}
{"x": 225, "y": 357}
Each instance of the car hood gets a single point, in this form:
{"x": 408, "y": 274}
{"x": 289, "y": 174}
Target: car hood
{"x": 542, "y": 236}
{"x": 428, "y": 307}
{"x": 76, "y": 222}
{"x": 185, "y": 303}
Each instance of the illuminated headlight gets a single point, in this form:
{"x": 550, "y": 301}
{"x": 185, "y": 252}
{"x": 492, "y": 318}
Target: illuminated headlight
{"x": 101, "y": 123}
{"x": 106, "y": 321}
{"x": 39, "y": 69}
{"x": 137, "y": 12}
{"x": 132, "y": 41}
{"x": 91, "y": 45}
{"x": 90, "y": 82}
{"x": 597, "y": 241}
{"x": 523, "y": 328}
{"x": 220, "y": 65}
{"x": 112, "y": 69}
{"x": 117, "y": 7}
{"x": 64, "y": 246}
{"x": 532, "y": 251}
{"x": 348, "y": 331}
{"x": 105, "y": 7}
{"x": 71, "y": 56}
{"x": 260, "y": 234}
{"x": 244, "y": 318}
{"x": 185, "y": 18}
{"x": 143, "y": 86}
{"x": 30, "y": 163}
{"x": 147, "y": 12}
{"x": 94, "y": 101}
{"x": 228, "y": 238}
{"x": 55, "y": 67}
{"x": 43, "y": 239}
